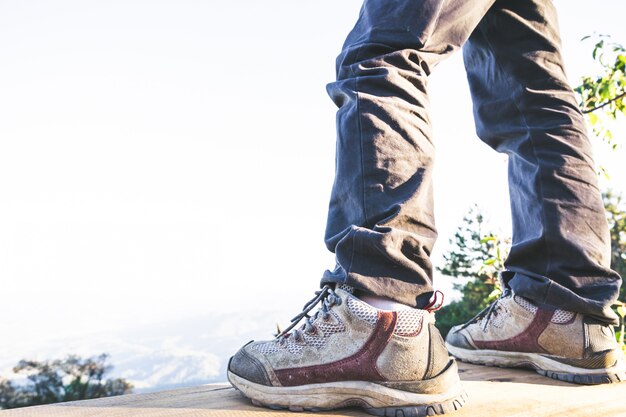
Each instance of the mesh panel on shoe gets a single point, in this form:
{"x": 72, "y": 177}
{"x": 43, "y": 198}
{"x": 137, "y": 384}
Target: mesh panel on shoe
{"x": 330, "y": 327}
{"x": 562, "y": 316}
{"x": 267, "y": 348}
{"x": 316, "y": 340}
{"x": 409, "y": 322}
{"x": 293, "y": 347}
{"x": 526, "y": 304}
{"x": 362, "y": 310}
{"x": 347, "y": 288}
{"x": 559, "y": 317}
{"x": 500, "y": 317}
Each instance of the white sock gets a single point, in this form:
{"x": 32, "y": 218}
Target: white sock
{"x": 382, "y": 303}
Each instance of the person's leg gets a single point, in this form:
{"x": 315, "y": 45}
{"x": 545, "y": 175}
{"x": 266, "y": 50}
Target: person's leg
{"x": 524, "y": 106}
{"x": 381, "y": 222}
{"x": 381, "y": 228}
{"x": 554, "y": 312}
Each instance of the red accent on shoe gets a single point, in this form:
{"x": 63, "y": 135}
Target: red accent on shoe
{"x": 434, "y": 305}
{"x": 526, "y": 341}
{"x": 359, "y": 367}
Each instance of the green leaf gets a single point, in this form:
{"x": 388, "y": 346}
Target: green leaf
{"x": 604, "y": 91}
{"x": 488, "y": 239}
{"x": 621, "y": 310}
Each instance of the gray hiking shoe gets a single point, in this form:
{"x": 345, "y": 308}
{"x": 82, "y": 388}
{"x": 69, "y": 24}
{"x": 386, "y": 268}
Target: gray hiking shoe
{"x": 391, "y": 363}
{"x": 515, "y": 332}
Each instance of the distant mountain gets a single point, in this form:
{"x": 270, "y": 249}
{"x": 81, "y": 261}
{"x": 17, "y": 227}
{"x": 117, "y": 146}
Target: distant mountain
{"x": 181, "y": 352}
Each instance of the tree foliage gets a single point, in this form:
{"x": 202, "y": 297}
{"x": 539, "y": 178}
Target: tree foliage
{"x": 69, "y": 379}
{"x": 476, "y": 256}
{"x": 603, "y": 96}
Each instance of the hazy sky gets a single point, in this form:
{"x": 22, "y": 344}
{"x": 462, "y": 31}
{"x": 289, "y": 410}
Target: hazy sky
{"x": 162, "y": 159}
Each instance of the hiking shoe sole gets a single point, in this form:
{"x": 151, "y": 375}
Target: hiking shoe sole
{"x": 374, "y": 398}
{"x": 542, "y": 364}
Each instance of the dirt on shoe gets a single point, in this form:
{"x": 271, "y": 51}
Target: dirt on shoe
{"x": 391, "y": 363}
{"x": 560, "y": 344}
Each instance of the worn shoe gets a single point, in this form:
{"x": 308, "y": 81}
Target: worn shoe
{"x": 515, "y": 332}
{"x": 391, "y": 363}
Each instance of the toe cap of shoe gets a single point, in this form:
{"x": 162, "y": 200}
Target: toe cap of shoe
{"x": 457, "y": 338}
{"x": 245, "y": 365}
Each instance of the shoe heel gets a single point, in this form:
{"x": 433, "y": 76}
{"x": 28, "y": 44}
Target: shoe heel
{"x": 447, "y": 378}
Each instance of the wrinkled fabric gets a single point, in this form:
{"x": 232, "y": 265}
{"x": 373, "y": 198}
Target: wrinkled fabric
{"x": 381, "y": 218}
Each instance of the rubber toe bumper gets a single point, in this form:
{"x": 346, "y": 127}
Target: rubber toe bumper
{"x": 247, "y": 367}
{"x": 456, "y": 338}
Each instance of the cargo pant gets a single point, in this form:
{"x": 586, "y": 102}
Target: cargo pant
{"x": 381, "y": 223}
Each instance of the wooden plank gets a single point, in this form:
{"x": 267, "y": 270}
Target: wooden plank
{"x": 492, "y": 392}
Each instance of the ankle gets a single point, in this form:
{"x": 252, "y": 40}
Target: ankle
{"x": 381, "y": 303}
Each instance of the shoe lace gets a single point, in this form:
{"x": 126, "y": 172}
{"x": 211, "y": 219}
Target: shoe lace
{"x": 328, "y": 298}
{"x": 488, "y": 312}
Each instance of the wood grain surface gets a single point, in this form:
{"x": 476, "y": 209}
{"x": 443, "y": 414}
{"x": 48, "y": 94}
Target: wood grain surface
{"x": 492, "y": 392}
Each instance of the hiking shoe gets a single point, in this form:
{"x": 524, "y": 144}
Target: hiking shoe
{"x": 560, "y": 344}
{"x": 391, "y": 363}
